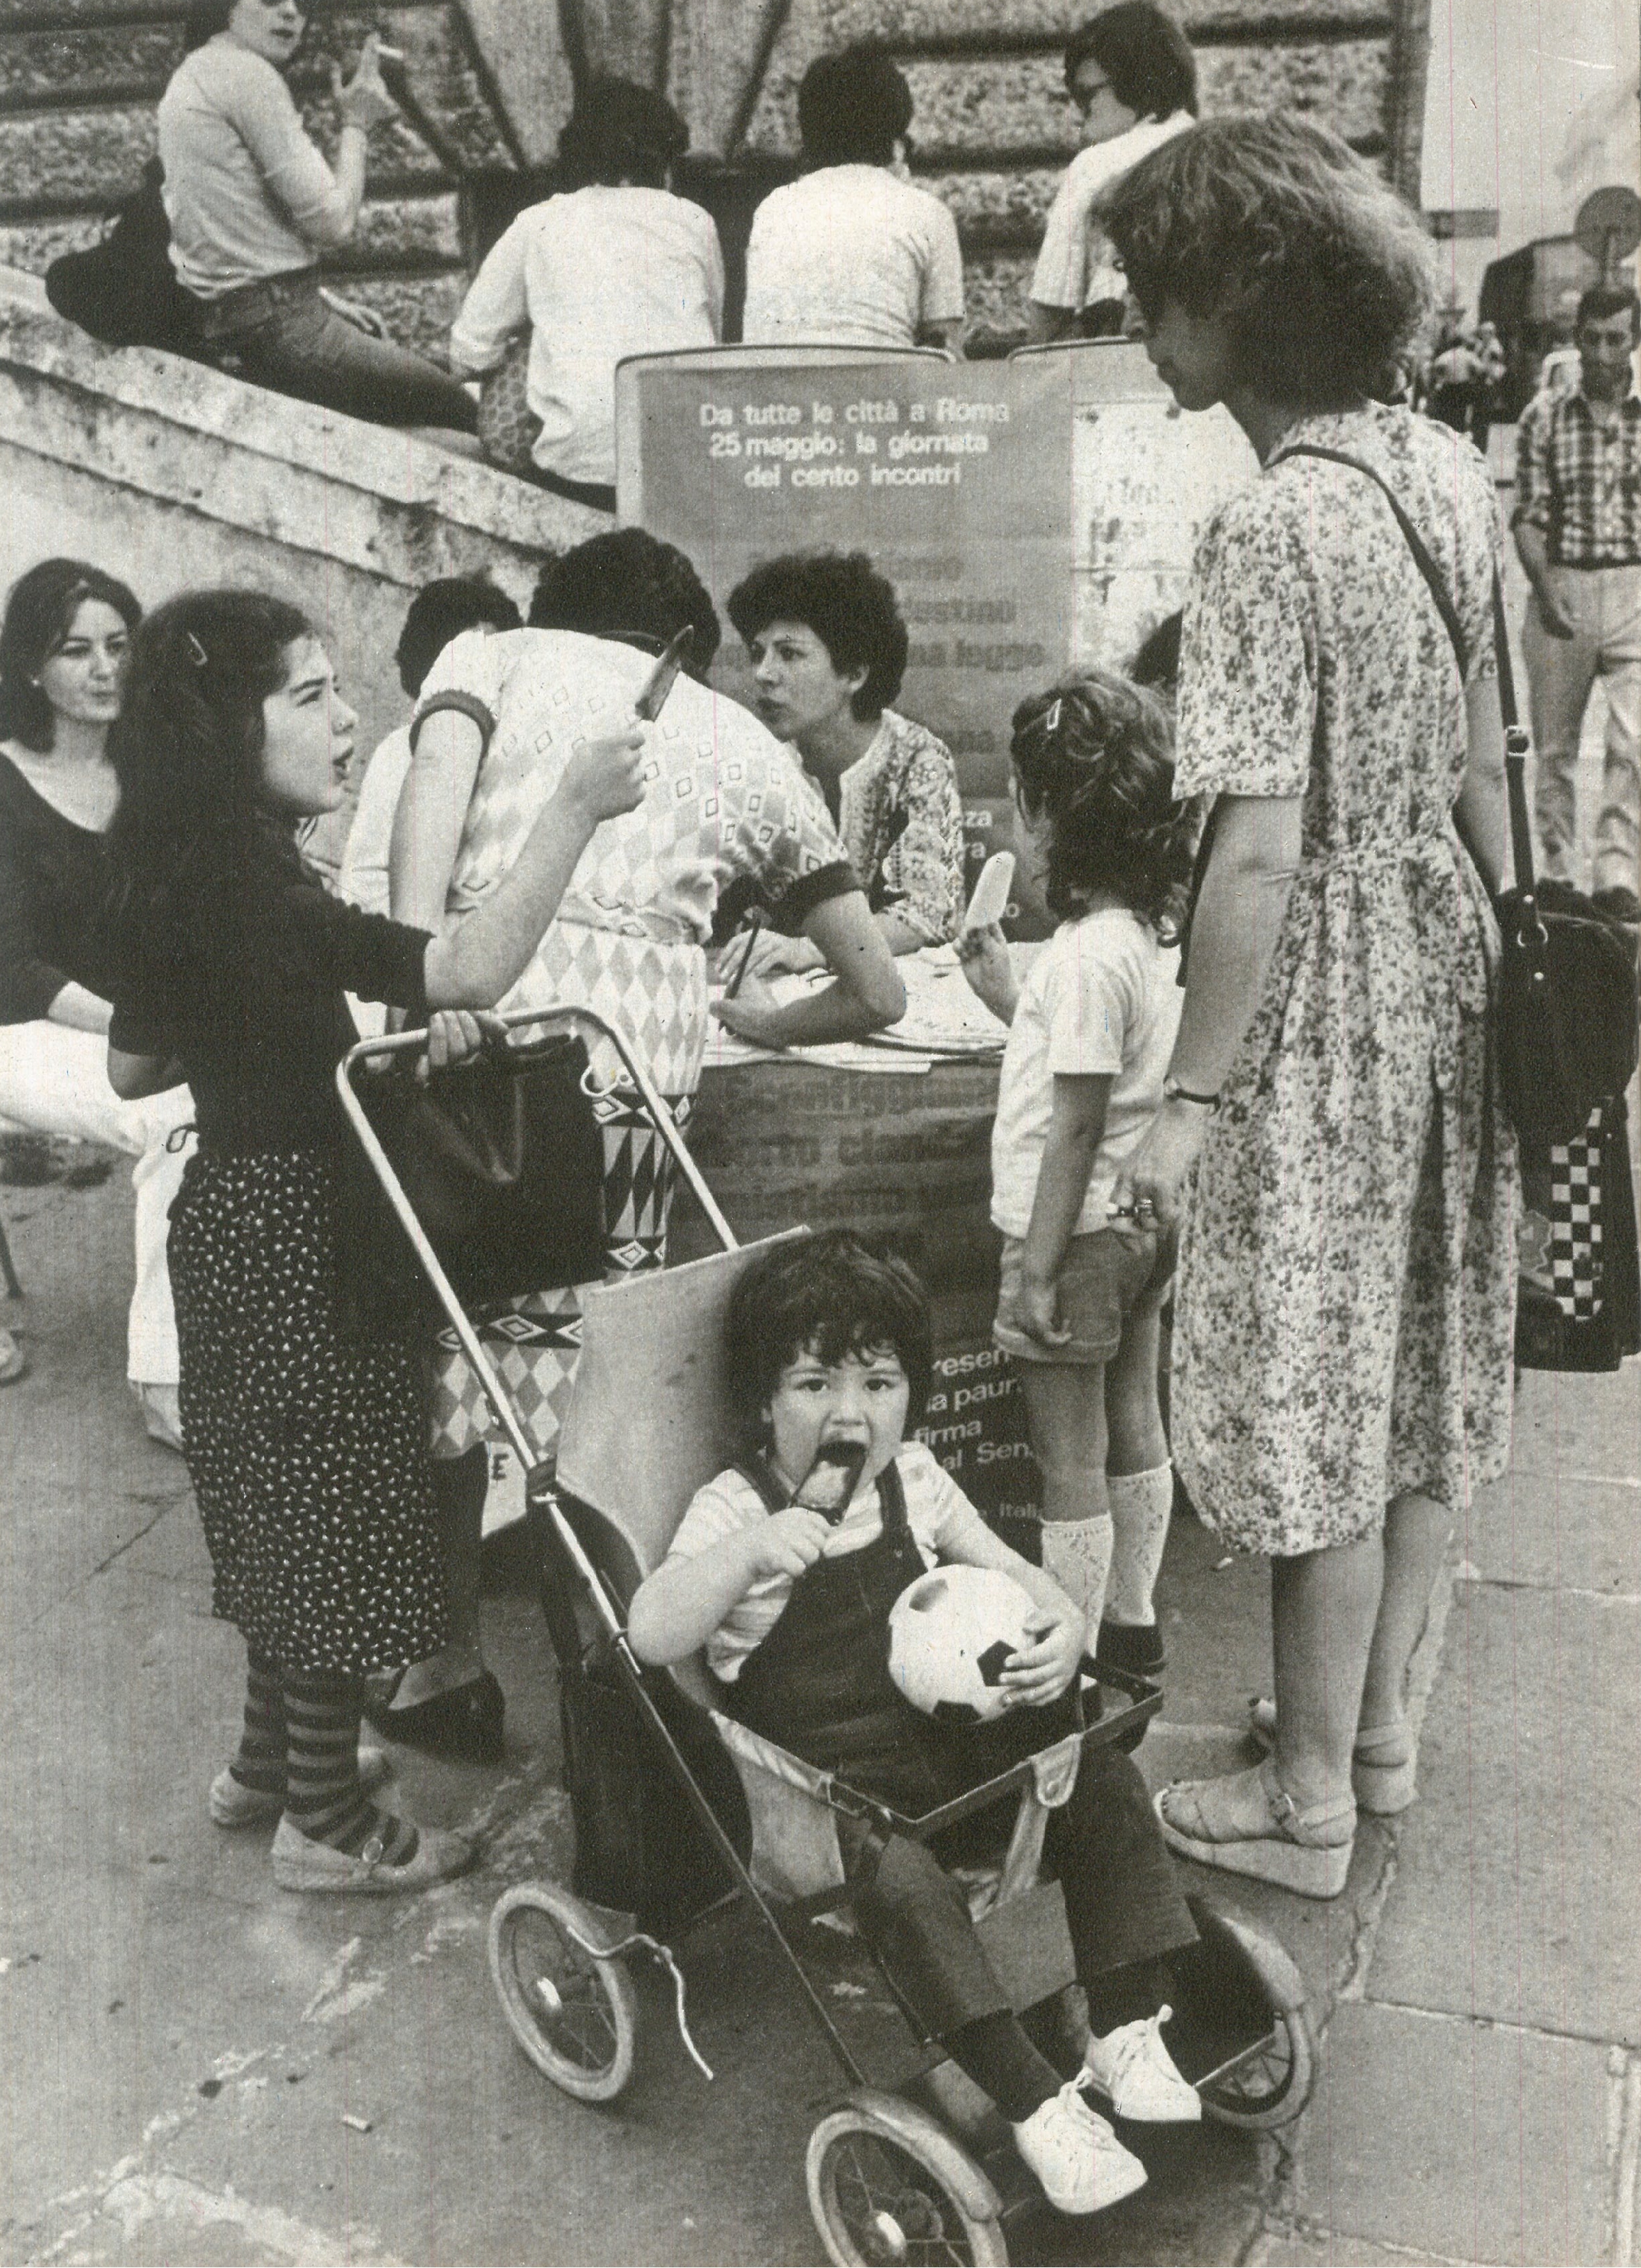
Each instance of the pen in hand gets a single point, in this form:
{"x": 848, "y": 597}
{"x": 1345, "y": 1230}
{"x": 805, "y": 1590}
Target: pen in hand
{"x": 754, "y": 926}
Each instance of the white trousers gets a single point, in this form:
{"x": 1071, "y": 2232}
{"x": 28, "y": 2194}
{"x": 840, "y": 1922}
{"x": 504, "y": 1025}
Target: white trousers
{"x": 55, "y": 1081}
{"x": 1605, "y": 605}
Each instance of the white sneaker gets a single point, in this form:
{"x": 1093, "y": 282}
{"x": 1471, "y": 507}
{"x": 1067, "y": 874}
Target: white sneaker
{"x": 1138, "y": 2076}
{"x": 1081, "y": 2164}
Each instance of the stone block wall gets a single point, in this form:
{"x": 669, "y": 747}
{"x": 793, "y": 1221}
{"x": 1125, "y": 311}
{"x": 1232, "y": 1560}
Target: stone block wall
{"x": 79, "y": 79}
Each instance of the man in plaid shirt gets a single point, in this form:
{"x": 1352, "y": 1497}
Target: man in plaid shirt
{"x": 1578, "y": 529}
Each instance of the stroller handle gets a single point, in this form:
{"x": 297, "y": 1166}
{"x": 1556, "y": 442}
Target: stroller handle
{"x": 415, "y": 1042}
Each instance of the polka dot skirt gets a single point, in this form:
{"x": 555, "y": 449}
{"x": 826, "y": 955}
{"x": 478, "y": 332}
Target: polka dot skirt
{"x": 307, "y": 1450}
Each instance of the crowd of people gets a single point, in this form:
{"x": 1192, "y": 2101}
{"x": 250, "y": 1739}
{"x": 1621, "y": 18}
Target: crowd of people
{"x": 1293, "y": 1129}
{"x": 614, "y": 263}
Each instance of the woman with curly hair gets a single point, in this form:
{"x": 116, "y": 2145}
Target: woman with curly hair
{"x": 1090, "y": 1031}
{"x": 306, "y": 1441}
{"x": 1345, "y": 1322}
{"x": 828, "y": 646}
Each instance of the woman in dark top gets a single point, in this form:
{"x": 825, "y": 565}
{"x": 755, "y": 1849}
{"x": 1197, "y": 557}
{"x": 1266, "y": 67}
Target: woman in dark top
{"x": 306, "y": 1447}
{"x": 63, "y": 646}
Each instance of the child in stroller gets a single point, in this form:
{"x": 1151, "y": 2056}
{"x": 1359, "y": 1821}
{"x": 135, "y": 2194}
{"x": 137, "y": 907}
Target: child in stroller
{"x": 828, "y": 1354}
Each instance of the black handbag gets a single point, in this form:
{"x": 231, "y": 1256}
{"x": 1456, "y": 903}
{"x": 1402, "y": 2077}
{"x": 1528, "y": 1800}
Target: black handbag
{"x": 1565, "y": 1009}
{"x": 503, "y": 1162}
{"x": 124, "y": 291}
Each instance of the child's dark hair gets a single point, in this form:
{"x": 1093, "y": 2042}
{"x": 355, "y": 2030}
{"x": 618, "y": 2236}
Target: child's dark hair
{"x": 1095, "y": 756}
{"x": 833, "y": 1292}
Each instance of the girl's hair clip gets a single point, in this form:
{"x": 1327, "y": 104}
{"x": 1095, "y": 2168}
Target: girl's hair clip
{"x": 197, "y": 654}
{"x": 1049, "y": 719}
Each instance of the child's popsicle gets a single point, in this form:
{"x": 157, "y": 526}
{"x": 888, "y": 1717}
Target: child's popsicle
{"x": 831, "y": 1481}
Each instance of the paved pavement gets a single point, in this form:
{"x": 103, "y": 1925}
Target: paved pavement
{"x": 199, "y": 2067}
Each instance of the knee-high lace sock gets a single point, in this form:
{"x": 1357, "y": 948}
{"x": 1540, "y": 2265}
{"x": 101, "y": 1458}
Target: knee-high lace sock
{"x": 1077, "y": 1554}
{"x": 1140, "y": 1506}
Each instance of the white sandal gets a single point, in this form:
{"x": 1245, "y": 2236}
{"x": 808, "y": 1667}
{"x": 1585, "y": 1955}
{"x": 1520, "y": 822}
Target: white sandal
{"x": 1307, "y": 1851}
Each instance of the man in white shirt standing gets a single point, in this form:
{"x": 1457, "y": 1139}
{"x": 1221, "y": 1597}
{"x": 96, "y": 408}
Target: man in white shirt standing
{"x": 851, "y": 254}
{"x": 1131, "y": 74}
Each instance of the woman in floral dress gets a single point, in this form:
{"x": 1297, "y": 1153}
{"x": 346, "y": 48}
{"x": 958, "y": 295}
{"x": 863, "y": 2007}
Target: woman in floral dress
{"x": 1343, "y": 1341}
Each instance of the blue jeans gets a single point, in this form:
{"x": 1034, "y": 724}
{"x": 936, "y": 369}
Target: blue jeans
{"x": 288, "y": 339}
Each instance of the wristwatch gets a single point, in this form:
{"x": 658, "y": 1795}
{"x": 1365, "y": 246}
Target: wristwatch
{"x": 1173, "y": 1092}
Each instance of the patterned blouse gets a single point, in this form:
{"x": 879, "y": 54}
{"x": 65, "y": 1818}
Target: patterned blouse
{"x": 901, "y": 820}
{"x": 724, "y": 800}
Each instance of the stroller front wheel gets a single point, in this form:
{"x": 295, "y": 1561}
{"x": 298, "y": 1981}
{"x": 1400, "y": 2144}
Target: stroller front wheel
{"x": 573, "y": 2011}
{"x": 888, "y": 2188}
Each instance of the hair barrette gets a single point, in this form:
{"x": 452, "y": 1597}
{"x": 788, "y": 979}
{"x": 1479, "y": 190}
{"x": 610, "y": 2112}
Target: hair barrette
{"x": 1050, "y": 718}
{"x": 197, "y": 654}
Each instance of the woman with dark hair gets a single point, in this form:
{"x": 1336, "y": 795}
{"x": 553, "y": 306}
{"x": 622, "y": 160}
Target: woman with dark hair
{"x": 1133, "y": 75}
{"x": 852, "y": 253}
{"x": 1344, "y": 1320}
{"x": 614, "y": 265}
{"x": 253, "y": 204}
{"x": 306, "y": 1444}
{"x": 63, "y": 650}
{"x": 495, "y": 719}
{"x": 827, "y": 647}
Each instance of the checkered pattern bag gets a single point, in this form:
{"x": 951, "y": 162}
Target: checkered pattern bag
{"x": 1580, "y": 1293}
{"x": 1577, "y": 1260}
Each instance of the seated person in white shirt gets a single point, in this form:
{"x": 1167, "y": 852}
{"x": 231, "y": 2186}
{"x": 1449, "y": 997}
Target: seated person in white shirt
{"x": 614, "y": 265}
{"x": 851, "y": 254}
{"x": 1131, "y": 73}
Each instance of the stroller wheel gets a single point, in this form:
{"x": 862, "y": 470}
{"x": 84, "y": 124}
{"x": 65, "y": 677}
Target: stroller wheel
{"x": 1261, "y": 2075}
{"x": 888, "y": 2190}
{"x": 573, "y": 2013}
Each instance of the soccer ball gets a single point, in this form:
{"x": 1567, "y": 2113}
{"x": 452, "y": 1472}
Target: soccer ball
{"x": 951, "y": 1634}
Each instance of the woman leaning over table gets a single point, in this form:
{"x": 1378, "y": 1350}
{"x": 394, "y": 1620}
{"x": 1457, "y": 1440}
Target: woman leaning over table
{"x": 1343, "y": 1325}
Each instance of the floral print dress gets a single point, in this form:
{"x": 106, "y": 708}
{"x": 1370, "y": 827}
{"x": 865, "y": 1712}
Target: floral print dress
{"x": 1345, "y": 1316}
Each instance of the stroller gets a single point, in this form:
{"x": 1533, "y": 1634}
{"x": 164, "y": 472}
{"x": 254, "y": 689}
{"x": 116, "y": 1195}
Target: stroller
{"x": 680, "y": 1811}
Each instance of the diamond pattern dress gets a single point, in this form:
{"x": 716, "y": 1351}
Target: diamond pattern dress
{"x": 722, "y": 799}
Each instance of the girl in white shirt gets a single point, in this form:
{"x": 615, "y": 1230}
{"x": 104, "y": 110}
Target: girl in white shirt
{"x": 1092, "y": 1029}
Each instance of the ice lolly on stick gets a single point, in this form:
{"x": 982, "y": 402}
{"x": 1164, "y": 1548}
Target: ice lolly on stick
{"x": 830, "y": 1483}
{"x": 990, "y": 901}
{"x": 664, "y": 677}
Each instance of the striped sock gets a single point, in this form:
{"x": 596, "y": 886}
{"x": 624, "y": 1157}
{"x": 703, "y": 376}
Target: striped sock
{"x": 323, "y": 1798}
{"x": 260, "y": 1762}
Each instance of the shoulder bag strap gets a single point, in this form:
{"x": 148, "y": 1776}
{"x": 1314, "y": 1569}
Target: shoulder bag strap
{"x": 1515, "y": 737}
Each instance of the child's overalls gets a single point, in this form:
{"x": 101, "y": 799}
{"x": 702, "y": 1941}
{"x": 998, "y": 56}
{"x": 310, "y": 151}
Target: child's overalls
{"x": 819, "y": 1685}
